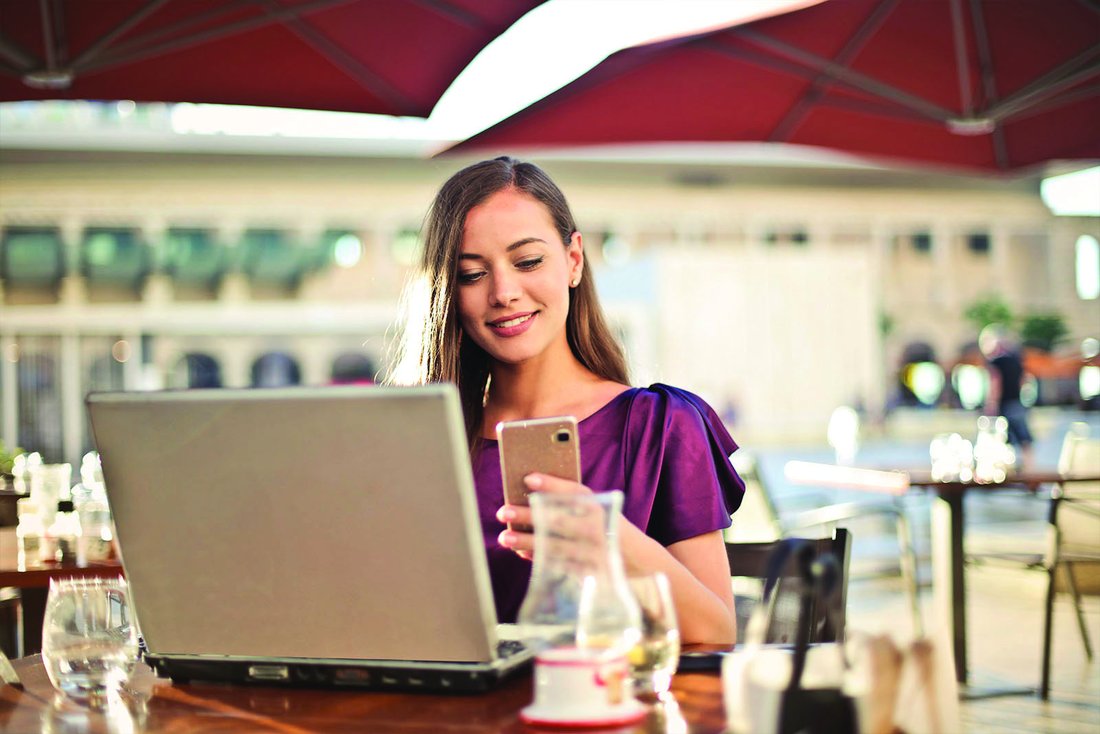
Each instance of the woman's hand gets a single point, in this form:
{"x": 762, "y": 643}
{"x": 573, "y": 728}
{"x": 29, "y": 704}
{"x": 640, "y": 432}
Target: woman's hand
{"x": 697, "y": 568}
{"x": 519, "y": 516}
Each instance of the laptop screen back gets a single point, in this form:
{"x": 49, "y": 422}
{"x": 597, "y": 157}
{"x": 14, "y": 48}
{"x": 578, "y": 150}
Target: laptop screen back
{"x": 334, "y": 522}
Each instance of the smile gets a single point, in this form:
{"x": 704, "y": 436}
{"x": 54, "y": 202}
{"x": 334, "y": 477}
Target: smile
{"x": 513, "y": 325}
{"x": 516, "y": 321}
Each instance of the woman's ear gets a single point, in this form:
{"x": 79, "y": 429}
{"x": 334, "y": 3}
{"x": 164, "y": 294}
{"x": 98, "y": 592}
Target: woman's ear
{"x": 575, "y": 254}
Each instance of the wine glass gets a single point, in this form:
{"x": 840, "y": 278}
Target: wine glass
{"x": 89, "y": 639}
{"x": 653, "y": 660}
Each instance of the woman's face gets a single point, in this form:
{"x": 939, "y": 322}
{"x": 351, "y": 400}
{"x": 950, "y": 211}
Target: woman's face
{"x": 513, "y": 277}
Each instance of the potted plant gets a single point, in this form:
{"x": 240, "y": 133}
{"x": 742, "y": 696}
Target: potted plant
{"x": 7, "y": 464}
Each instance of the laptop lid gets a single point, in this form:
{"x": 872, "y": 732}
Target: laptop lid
{"x": 329, "y": 522}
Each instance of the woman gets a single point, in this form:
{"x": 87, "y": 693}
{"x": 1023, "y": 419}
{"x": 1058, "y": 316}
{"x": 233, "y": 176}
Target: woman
{"x": 512, "y": 318}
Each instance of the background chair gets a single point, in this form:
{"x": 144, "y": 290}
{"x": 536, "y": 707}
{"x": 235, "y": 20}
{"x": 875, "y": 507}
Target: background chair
{"x": 759, "y": 520}
{"x": 1070, "y": 536}
{"x": 750, "y": 560}
{"x": 1074, "y": 529}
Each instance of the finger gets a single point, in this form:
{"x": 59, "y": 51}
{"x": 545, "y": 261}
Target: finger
{"x": 514, "y": 515}
{"x": 516, "y": 541}
{"x": 537, "y": 482}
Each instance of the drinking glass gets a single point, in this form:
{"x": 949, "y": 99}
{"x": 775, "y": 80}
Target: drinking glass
{"x": 89, "y": 640}
{"x": 653, "y": 660}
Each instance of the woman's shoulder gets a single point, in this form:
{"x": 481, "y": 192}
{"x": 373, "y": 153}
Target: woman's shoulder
{"x": 663, "y": 398}
{"x": 675, "y": 410}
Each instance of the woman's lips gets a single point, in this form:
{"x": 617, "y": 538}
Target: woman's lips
{"x": 513, "y": 325}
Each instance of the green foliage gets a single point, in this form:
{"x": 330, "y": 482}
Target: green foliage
{"x": 1043, "y": 330}
{"x": 7, "y": 458}
{"x": 990, "y": 309}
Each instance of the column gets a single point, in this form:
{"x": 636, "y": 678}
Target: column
{"x": 74, "y": 289}
{"x": 9, "y": 365}
{"x": 1000, "y": 263}
{"x": 72, "y": 405}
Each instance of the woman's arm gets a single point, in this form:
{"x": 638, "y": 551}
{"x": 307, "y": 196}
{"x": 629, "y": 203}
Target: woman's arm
{"x": 697, "y": 568}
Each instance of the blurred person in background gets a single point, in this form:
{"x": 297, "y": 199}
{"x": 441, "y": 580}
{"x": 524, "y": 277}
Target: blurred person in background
{"x": 514, "y": 321}
{"x": 1006, "y": 378}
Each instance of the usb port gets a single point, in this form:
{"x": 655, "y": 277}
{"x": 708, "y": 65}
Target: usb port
{"x": 268, "y": 672}
{"x": 351, "y": 676}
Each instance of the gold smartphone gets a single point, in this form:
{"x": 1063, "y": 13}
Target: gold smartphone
{"x": 544, "y": 445}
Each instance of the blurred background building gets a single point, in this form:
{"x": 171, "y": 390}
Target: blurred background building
{"x": 136, "y": 257}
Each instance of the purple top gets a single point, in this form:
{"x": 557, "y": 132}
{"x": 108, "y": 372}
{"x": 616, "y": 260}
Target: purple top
{"x": 664, "y": 447}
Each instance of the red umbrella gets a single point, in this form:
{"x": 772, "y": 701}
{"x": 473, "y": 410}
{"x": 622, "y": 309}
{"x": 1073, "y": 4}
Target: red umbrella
{"x": 995, "y": 85}
{"x": 386, "y": 56}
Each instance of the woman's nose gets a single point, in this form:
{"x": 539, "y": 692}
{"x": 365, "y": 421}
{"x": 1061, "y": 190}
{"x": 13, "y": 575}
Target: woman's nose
{"x": 504, "y": 291}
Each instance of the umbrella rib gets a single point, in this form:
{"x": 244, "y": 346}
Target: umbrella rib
{"x": 369, "y": 80}
{"x": 872, "y": 108}
{"x": 985, "y": 55}
{"x": 457, "y": 14}
{"x": 849, "y": 77}
{"x": 989, "y": 88}
{"x": 167, "y": 31}
{"x": 134, "y": 51}
{"x": 108, "y": 38}
{"x": 1050, "y": 104}
{"x": 1048, "y": 85}
{"x": 783, "y": 66}
{"x": 855, "y": 43}
{"x": 962, "y": 63}
{"x": 47, "y": 34}
{"x": 14, "y": 53}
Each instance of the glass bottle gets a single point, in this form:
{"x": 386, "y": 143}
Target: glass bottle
{"x": 96, "y": 532}
{"x": 578, "y": 593}
{"x": 63, "y": 534}
{"x": 29, "y": 532}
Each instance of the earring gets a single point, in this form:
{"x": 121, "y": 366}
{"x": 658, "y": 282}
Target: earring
{"x": 575, "y": 282}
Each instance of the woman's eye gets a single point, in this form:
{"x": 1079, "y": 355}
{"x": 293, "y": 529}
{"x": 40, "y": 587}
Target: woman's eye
{"x": 530, "y": 263}
{"x": 471, "y": 277}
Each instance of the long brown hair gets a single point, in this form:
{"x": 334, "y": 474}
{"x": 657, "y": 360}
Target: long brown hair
{"x": 434, "y": 347}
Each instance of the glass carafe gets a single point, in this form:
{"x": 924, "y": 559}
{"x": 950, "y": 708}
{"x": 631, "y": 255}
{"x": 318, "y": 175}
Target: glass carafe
{"x": 578, "y": 593}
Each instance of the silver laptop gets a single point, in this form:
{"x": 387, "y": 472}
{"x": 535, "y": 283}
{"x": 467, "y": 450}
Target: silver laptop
{"x": 304, "y": 536}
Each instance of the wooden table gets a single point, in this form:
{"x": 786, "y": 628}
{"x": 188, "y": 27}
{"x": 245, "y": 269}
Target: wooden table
{"x": 948, "y": 549}
{"x": 157, "y": 705}
{"x": 34, "y": 582}
{"x": 948, "y": 527}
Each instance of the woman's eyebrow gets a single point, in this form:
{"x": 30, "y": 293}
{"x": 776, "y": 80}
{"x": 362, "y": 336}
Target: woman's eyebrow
{"x": 515, "y": 245}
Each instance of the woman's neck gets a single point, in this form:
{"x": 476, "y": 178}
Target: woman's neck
{"x": 542, "y": 388}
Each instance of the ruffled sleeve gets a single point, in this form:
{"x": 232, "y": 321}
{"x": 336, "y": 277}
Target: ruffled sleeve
{"x": 680, "y": 482}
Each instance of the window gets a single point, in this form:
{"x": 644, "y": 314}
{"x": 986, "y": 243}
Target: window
{"x": 115, "y": 256}
{"x": 405, "y": 247}
{"x": 971, "y": 384}
{"x": 275, "y": 369}
{"x": 1088, "y": 268}
{"x": 196, "y": 370}
{"x": 342, "y": 247}
{"x": 39, "y": 388}
{"x": 271, "y": 258}
{"x": 978, "y": 243}
{"x": 352, "y": 368}
{"x": 32, "y": 256}
{"x": 193, "y": 257}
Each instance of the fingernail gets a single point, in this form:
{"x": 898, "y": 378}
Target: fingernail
{"x": 534, "y": 481}
{"x": 506, "y": 514}
{"x": 507, "y": 539}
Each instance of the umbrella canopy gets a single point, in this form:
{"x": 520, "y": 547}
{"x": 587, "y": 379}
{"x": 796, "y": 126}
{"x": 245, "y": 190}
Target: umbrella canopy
{"x": 994, "y": 85}
{"x": 393, "y": 57}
